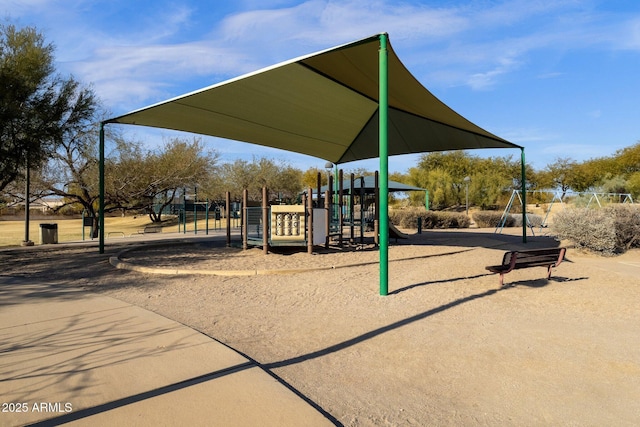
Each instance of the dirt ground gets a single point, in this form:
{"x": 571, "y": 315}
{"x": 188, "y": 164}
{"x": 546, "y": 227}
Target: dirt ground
{"x": 447, "y": 346}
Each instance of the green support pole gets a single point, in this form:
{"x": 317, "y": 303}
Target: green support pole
{"x": 195, "y": 210}
{"x": 335, "y": 184}
{"x": 426, "y": 199}
{"x": 384, "y": 167}
{"x": 27, "y": 241}
{"x": 184, "y": 209}
{"x": 524, "y": 198}
{"x": 195, "y": 218}
{"x": 101, "y": 190}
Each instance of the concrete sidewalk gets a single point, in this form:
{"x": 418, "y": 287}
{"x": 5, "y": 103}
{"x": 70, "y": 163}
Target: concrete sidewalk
{"x": 74, "y": 357}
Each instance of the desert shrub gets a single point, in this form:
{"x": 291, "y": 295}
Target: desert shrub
{"x": 627, "y": 224}
{"x": 612, "y": 229}
{"x": 435, "y": 219}
{"x": 580, "y": 201}
{"x": 408, "y": 218}
{"x": 534, "y": 220}
{"x": 405, "y": 218}
{"x": 488, "y": 219}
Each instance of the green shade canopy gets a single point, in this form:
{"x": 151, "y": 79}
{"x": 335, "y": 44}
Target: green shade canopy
{"x": 324, "y": 105}
{"x": 352, "y": 102}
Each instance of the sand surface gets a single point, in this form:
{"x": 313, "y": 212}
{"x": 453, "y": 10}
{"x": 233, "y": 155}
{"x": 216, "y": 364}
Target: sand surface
{"x": 447, "y": 346}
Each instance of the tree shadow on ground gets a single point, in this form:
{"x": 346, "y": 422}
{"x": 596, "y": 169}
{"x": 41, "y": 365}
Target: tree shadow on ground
{"x": 271, "y": 366}
{"x": 15, "y": 290}
{"x": 81, "y": 344}
{"x": 88, "y": 269}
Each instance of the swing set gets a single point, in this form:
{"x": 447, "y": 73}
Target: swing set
{"x": 560, "y": 198}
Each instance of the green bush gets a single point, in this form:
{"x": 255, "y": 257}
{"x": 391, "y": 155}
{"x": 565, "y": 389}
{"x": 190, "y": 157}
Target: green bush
{"x": 491, "y": 219}
{"x": 612, "y": 229}
{"x": 408, "y": 218}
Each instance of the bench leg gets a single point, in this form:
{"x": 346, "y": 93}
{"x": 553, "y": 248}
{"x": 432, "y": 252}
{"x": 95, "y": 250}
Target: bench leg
{"x": 549, "y": 272}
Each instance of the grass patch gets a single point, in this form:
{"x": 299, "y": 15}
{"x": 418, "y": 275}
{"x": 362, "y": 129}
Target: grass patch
{"x": 70, "y": 229}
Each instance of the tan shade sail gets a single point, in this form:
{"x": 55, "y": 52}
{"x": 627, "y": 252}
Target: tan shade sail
{"x": 324, "y": 105}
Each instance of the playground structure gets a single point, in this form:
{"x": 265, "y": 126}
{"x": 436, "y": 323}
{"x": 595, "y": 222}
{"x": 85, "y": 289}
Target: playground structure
{"x": 282, "y": 225}
{"x": 560, "y": 198}
{"x": 322, "y": 216}
{"x": 326, "y": 214}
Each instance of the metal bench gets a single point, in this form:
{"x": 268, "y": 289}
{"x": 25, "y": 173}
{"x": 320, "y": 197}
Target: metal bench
{"x": 150, "y": 229}
{"x": 512, "y": 260}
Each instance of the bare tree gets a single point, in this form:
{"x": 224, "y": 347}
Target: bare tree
{"x": 281, "y": 178}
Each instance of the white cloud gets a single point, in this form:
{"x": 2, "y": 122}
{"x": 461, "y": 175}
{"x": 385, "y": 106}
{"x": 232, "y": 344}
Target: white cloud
{"x": 575, "y": 151}
{"x": 143, "y": 52}
{"x": 454, "y": 45}
{"x": 522, "y": 136}
{"x": 144, "y": 69}
{"x": 595, "y": 114}
{"x": 630, "y": 34}
{"x": 550, "y": 75}
{"x": 480, "y": 81}
{"x": 146, "y": 63}
{"x": 22, "y": 8}
{"x": 321, "y": 24}
{"x": 119, "y": 72}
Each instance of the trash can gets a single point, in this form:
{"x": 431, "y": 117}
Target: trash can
{"x": 48, "y": 234}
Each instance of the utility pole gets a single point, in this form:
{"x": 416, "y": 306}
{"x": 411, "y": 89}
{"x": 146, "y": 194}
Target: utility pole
{"x": 26, "y": 241}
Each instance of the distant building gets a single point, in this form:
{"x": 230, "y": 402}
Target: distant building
{"x": 44, "y": 205}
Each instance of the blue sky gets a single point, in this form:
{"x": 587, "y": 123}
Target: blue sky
{"x": 559, "y": 77}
